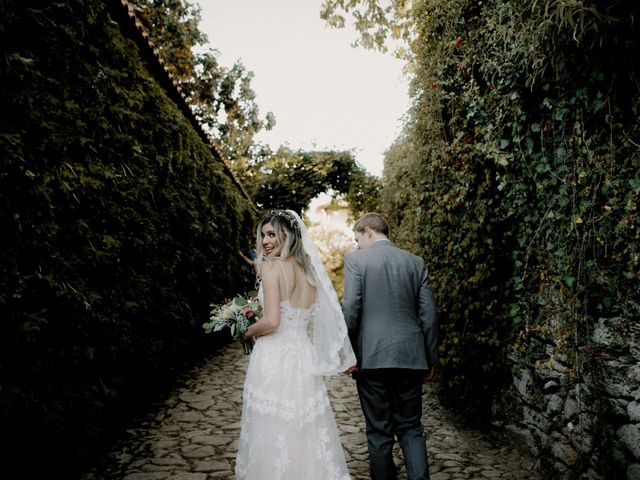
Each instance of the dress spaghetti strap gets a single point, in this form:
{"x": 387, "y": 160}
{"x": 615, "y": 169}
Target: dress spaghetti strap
{"x": 286, "y": 282}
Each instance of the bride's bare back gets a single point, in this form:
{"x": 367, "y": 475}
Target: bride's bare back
{"x": 295, "y": 287}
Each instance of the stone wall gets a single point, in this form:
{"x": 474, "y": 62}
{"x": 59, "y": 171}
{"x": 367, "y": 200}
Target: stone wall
{"x": 581, "y": 416}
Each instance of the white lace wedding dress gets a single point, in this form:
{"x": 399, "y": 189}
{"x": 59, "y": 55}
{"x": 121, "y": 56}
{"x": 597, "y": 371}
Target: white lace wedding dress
{"x": 288, "y": 429}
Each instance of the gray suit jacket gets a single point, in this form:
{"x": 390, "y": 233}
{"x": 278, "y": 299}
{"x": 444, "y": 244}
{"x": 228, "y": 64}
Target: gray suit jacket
{"x": 389, "y": 308}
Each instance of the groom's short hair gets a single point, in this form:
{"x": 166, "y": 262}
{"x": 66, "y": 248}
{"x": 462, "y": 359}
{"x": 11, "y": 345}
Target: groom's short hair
{"x": 374, "y": 221}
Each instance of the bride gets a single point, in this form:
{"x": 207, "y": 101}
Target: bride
{"x": 288, "y": 430}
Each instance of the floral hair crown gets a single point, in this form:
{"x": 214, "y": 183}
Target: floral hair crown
{"x": 287, "y": 216}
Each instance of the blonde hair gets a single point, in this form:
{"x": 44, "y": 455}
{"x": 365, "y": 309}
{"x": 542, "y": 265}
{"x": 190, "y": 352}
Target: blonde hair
{"x": 288, "y": 235}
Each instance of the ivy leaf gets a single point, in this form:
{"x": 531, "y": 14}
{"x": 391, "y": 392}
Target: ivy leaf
{"x": 569, "y": 281}
{"x": 529, "y": 143}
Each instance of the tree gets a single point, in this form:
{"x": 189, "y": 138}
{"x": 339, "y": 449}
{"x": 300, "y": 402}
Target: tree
{"x": 225, "y": 104}
{"x": 222, "y": 99}
{"x": 333, "y": 243}
{"x": 382, "y": 25}
{"x": 173, "y": 26}
{"x": 288, "y": 179}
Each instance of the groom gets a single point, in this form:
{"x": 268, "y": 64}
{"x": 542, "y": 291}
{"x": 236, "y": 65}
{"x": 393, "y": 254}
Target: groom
{"x": 391, "y": 315}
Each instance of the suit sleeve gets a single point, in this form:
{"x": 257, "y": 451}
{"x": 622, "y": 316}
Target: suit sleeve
{"x": 352, "y": 299}
{"x": 428, "y": 318}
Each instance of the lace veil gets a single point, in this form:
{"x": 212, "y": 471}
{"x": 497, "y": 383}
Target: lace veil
{"x": 331, "y": 346}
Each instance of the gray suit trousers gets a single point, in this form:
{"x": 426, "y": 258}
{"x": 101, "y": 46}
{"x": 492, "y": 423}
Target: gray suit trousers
{"x": 391, "y": 400}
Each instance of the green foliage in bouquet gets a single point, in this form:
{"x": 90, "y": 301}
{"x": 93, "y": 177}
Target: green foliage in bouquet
{"x": 236, "y": 316}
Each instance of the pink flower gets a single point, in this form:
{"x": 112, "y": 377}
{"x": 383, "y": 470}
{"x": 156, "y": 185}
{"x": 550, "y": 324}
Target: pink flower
{"x": 247, "y": 312}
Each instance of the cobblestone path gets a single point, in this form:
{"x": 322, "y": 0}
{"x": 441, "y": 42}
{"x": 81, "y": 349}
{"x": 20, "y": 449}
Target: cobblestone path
{"x": 193, "y": 434}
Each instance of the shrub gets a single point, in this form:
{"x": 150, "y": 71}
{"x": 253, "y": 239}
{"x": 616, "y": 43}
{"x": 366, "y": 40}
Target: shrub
{"x": 119, "y": 228}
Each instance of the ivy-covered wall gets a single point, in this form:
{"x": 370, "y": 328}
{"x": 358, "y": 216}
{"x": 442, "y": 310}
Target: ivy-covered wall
{"x": 517, "y": 180}
{"x": 119, "y": 228}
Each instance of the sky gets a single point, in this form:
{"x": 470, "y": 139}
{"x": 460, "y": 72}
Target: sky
{"x": 324, "y": 93}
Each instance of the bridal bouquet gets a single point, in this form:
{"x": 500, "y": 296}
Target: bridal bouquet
{"x": 236, "y": 315}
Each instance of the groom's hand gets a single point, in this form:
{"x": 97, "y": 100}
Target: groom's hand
{"x": 430, "y": 374}
{"x": 351, "y": 370}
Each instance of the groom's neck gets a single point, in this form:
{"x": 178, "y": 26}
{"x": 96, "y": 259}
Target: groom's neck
{"x": 378, "y": 237}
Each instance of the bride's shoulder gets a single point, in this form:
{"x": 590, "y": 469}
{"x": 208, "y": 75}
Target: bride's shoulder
{"x": 269, "y": 268}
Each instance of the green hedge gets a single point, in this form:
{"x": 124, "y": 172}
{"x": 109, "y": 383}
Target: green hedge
{"x": 118, "y": 230}
{"x": 517, "y": 179}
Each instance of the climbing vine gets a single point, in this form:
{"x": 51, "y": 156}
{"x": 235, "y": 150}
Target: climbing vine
{"x": 119, "y": 228}
{"x": 517, "y": 175}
